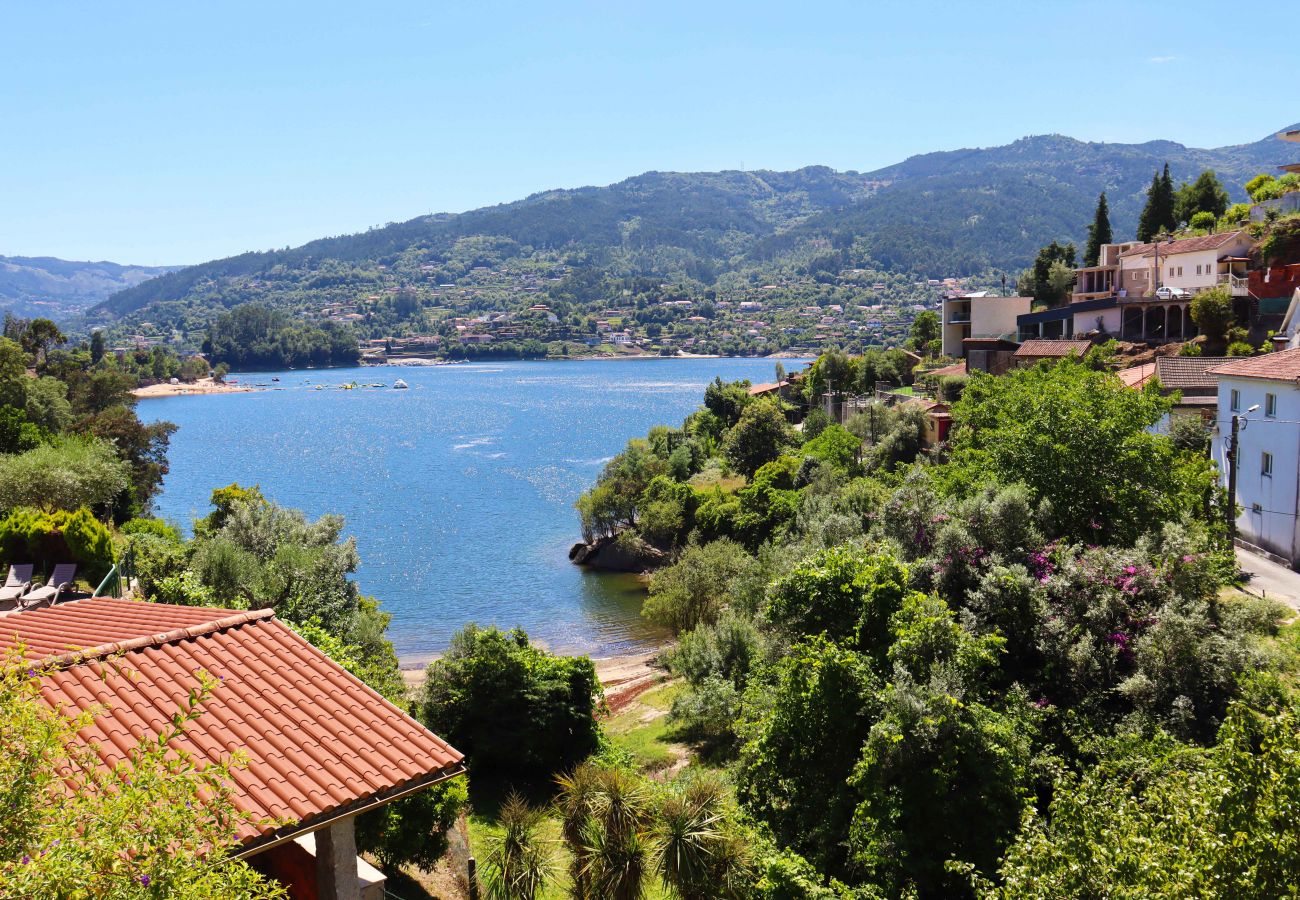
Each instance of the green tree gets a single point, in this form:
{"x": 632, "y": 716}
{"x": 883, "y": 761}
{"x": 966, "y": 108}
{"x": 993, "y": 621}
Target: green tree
{"x": 98, "y": 344}
{"x": 925, "y": 332}
{"x": 513, "y": 709}
{"x": 695, "y": 589}
{"x": 65, "y": 474}
{"x": 759, "y": 436}
{"x": 1052, "y": 274}
{"x": 13, "y": 375}
{"x": 1157, "y": 819}
{"x": 1213, "y": 314}
{"x": 801, "y": 747}
{"x": 1099, "y": 232}
{"x": 413, "y": 830}
{"x": 40, "y": 336}
{"x": 1205, "y": 194}
{"x": 1158, "y": 215}
{"x": 1078, "y": 438}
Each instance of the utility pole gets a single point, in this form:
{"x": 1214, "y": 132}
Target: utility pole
{"x": 1232, "y": 479}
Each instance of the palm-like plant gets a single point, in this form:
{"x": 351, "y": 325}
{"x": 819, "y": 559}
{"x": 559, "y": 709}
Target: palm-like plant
{"x": 574, "y": 804}
{"x": 518, "y": 863}
{"x": 697, "y": 853}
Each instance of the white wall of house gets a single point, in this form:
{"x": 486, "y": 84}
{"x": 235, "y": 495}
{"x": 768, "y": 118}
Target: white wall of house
{"x": 1085, "y": 322}
{"x": 1269, "y": 502}
{"x": 996, "y": 316}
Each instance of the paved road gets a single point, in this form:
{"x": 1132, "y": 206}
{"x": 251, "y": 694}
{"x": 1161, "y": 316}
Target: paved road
{"x": 1268, "y": 579}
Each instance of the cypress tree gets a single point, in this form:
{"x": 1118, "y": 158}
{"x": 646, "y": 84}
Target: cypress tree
{"x": 1147, "y": 223}
{"x": 1158, "y": 214}
{"x": 1098, "y": 232}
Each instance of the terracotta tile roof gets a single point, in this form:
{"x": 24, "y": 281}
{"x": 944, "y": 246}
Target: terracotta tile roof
{"x": 1136, "y": 376}
{"x": 1047, "y": 348}
{"x": 757, "y": 389}
{"x": 1281, "y": 365}
{"x": 1188, "y": 372}
{"x": 955, "y": 369}
{"x": 319, "y": 742}
{"x": 1186, "y": 245}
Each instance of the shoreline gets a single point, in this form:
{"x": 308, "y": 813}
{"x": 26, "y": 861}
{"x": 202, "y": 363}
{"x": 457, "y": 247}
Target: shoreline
{"x": 617, "y": 674}
{"x": 202, "y": 386}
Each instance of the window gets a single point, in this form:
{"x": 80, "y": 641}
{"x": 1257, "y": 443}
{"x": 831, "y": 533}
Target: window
{"x": 1266, "y": 464}
{"x": 1171, "y": 271}
{"x": 1180, "y": 271}
{"x": 1270, "y": 405}
{"x": 1236, "y": 400}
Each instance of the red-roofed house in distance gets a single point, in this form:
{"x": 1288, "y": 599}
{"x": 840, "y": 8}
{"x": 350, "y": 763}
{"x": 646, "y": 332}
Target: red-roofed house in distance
{"x": 1263, "y": 394}
{"x": 322, "y": 747}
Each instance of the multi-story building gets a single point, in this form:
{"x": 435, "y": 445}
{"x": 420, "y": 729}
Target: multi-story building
{"x": 1155, "y": 283}
{"x": 1263, "y": 394}
{"x": 983, "y": 315}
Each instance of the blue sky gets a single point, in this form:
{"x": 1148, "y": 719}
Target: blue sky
{"x": 177, "y": 132}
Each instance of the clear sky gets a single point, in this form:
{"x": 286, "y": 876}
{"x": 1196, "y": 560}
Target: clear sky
{"x": 168, "y": 133}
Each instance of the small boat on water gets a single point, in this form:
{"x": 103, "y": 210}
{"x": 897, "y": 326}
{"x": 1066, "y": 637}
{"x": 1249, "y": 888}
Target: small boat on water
{"x": 400, "y": 385}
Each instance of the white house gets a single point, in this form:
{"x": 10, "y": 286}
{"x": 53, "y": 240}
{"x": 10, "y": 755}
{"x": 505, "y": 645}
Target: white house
{"x": 1263, "y": 392}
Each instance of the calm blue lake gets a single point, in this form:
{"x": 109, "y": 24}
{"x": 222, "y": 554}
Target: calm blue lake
{"x": 459, "y": 491}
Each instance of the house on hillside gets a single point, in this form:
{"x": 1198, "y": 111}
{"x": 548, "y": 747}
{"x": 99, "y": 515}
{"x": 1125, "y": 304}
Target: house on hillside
{"x": 1263, "y": 393}
{"x": 1187, "y": 377}
{"x": 1156, "y": 283}
{"x": 1031, "y": 352}
{"x": 322, "y": 747}
{"x": 983, "y": 315}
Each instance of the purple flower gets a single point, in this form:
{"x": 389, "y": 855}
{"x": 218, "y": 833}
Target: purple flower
{"x": 144, "y": 879}
{"x": 31, "y": 673}
{"x": 26, "y": 859}
{"x": 1130, "y": 570}
{"x": 1042, "y": 703}
{"x": 1189, "y": 558}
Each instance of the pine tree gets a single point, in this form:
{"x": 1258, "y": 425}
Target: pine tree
{"x": 1147, "y": 225}
{"x": 1098, "y": 233}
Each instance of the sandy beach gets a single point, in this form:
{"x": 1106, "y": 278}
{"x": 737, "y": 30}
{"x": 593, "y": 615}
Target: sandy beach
{"x": 623, "y": 677}
{"x": 202, "y": 386}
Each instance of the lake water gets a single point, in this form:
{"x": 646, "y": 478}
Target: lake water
{"x": 459, "y": 491}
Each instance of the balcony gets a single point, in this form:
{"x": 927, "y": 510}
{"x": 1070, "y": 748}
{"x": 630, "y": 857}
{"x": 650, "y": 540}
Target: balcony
{"x": 958, "y": 318}
{"x": 1237, "y": 286}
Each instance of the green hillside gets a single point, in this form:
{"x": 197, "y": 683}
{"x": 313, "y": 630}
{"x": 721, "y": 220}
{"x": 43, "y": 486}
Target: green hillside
{"x": 964, "y": 213}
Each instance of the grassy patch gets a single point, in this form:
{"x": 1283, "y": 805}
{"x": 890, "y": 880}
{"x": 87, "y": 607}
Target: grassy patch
{"x": 711, "y": 478}
{"x": 642, "y": 730}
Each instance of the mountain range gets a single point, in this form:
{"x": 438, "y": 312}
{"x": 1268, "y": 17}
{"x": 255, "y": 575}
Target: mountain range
{"x": 952, "y": 213}
{"x": 43, "y": 286}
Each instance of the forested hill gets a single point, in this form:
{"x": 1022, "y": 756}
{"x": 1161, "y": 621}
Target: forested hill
{"x": 953, "y": 213}
{"x": 57, "y": 288}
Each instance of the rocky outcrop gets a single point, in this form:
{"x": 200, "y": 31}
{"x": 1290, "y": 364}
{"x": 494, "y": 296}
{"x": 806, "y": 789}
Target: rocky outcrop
{"x": 614, "y": 555}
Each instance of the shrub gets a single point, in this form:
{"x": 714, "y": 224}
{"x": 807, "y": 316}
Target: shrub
{"x": 1240, "y": 348}
{"x": 155, "y": 527}
{"x": 696, "y": 588}
{"x": 513, "y": 709}
{"x": 49, "y": 538}
{"x": 413, "y": 830}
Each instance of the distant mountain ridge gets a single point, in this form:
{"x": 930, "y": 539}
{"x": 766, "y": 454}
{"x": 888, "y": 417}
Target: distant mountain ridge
{"x": 954, "y": 212}
{"x": 58, "y": 289}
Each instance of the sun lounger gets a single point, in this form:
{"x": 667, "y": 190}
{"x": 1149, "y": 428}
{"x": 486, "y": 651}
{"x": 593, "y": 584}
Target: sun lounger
{"x": 18, "y": 582}
{"x": 61, "y": 580}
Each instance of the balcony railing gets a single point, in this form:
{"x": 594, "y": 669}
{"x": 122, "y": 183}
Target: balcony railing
{"x": 959, "y": 319}
{"x": 1237, "y": 286}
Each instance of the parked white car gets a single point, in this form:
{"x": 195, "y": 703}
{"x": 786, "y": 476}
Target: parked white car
{"x": 1165, "y": 292}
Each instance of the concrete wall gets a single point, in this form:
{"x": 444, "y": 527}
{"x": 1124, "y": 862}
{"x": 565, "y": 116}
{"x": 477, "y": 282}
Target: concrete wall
{"x": 996, "y": 316}
{"x": 1268, "y": 516}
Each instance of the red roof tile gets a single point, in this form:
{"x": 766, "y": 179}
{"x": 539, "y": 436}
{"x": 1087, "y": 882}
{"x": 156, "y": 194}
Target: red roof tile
{"x": 1281, "y": 365}
{"x": 954, "y": 369}
{"x": 318, "y": 740}
{"x": 1136, "y": 376}
{"x": 1037, "y": 348}
{"x": 1186, "y": 245}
